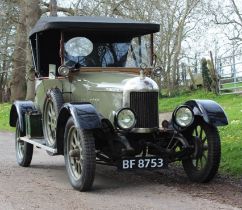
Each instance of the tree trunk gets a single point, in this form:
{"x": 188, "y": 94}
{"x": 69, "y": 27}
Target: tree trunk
{"x": 214, "y": 75}
{"x": 18, "y": 82}
{"x": 189, "y": 4}
{"x": 1, "y": 96}
{"x": 5, "y": 65}
{"x": 53, "y": 8}
{"x": 33, "y": 12}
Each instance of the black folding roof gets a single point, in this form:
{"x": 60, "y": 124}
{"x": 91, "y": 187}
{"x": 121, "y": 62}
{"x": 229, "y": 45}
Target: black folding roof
{"x": 99, "y": 24}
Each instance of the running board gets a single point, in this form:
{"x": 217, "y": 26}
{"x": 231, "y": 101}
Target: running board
{"x": 39, "y": 143}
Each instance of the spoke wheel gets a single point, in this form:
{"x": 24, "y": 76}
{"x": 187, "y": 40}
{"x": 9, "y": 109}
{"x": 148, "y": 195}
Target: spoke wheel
{"x": 51, "y": 119}
{"x": 52, "y": 106}
{"x": 80, "y": 158}
{"x": 203, "y": 164}
{"x": 75, "y": 157}
{"x": 24, "y": 150}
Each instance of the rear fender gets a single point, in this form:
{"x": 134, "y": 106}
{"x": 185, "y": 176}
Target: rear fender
{"x": 211, "y": 112}
{"x": 84, "y": 115}
{"x": 18, "y": 110}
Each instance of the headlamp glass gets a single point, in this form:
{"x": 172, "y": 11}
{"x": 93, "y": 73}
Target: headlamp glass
{"x": 126, "y": 119}
{"x": 184, "y": 116}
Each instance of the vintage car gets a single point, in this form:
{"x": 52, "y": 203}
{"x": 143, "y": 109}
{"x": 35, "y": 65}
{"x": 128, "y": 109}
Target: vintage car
{"x": 96, "y": 102}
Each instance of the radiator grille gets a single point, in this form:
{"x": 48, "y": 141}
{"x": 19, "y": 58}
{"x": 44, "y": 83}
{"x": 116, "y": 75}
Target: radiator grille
{"x": 145, "y": 105}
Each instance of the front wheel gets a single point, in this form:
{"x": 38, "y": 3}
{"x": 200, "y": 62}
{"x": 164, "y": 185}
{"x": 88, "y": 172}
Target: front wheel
{"x": 80, "y": 156}
{"x": 24, "y": 150}
{"x": 203, "y": 164}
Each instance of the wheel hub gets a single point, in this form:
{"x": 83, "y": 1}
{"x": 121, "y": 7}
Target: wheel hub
{"x": 75, "y": 153}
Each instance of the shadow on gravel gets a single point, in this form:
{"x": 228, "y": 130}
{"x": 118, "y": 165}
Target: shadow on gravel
{"x": 48, "y": 167}
{"x": 221, "y": 189}
{"x": 110, "y": 180}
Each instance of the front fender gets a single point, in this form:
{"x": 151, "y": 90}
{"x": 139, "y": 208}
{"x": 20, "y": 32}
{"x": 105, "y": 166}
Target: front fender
{"x": 84, "y": 115}
{"x": 18, "y": 110}
{"x": 210, "y": 111}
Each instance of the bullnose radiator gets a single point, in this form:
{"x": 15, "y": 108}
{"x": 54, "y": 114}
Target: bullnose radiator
{"x": 145, "y": 105}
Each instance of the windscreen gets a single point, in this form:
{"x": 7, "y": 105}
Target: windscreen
{"x": 84, "y": 52}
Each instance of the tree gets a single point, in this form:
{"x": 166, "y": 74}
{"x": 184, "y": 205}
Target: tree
{"x": 229, "y": 15}
{"x": 23, "y": 73}
{"x": 33, "y": 13}
{"x": 53, "y": 7}
{"x": 175, "y": 27}
{"x": 18, "y": 82}
{"x": 207, "y": 81}
{"x": 7, "y": 29}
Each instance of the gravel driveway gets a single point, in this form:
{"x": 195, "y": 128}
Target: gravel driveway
{"x": 44, "y": 185}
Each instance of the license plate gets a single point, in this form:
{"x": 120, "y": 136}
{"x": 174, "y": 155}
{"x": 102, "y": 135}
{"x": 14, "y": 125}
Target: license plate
{"x": 142, "y": 163}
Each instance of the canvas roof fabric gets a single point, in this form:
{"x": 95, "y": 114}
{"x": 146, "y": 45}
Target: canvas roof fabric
{"x": 92, "y": 23}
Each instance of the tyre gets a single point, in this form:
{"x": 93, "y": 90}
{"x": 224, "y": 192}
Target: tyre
{"x": 24, "y": 150}
{"x": 53, "y": 103}
{"x": 80, "y": 156}
{"x": 203, "y": 164}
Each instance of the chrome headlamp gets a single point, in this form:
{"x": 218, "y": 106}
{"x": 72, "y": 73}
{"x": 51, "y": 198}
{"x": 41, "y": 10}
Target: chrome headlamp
{"x": 125, "y": 119}
{"x": 183, "y": 116}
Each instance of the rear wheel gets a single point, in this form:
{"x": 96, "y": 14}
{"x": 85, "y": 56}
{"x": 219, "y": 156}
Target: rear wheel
{"x": 80, "y": 156}
{"x": 24, "y": 150}
{"x": 203, "y": 164}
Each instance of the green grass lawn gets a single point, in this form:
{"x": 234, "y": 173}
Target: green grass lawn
{"x": 4, "y": 117}
{"x": 232, "y": 85}
{"x": 231, "y": 135}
